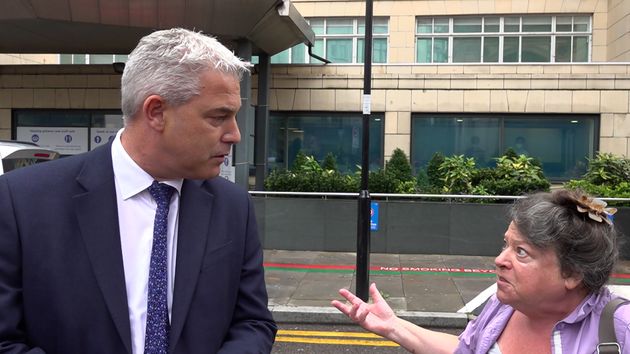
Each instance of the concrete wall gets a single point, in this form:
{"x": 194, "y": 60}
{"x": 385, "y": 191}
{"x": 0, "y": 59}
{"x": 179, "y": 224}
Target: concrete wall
{"x": 56, "y": 87}
{"x": 404, "y": 226}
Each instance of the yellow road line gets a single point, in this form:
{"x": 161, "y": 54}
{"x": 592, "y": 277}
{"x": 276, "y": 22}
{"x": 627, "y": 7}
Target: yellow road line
{"x": 310, "y": 340}
{"x": 327, "y": 334}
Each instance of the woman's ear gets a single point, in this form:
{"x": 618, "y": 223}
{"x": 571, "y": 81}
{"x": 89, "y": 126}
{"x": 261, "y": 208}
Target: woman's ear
{"x": 153, "y": 109}
{"x": 573, "y": 281}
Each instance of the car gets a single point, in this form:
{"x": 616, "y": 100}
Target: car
{"x": 16, "y": 154}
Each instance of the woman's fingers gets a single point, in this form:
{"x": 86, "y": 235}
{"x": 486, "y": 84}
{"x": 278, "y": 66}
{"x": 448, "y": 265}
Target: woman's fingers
{"x": 375, "y": 294}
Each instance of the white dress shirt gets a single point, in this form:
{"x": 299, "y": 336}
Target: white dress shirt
{"x": 136, "y": 214}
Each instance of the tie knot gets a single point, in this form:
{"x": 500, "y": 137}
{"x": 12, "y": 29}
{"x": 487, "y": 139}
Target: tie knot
{"x": 161, "y": 192}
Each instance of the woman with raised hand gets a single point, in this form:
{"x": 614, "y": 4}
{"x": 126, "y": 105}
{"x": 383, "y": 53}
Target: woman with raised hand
{"x": 559, "y": 251}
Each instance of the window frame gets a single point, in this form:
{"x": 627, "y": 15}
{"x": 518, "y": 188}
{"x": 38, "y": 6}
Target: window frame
{"x": 355, "y": 36}
{"x": 450, "y": 35}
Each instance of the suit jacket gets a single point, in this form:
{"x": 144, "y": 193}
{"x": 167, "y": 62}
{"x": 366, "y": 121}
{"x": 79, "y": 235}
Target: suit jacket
{"x": 62, "y": 286}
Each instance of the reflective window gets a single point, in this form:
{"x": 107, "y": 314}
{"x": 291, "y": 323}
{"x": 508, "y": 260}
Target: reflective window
{"x": 91, "y": 58}
{"x": 508, "y": 39}
{"x": 562, "y": 143}
{"x": 317, "y": 134}
{"x": 340, "y": 40}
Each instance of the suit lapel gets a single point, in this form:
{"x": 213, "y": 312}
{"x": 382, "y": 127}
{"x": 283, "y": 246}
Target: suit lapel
{"x": 97, "y": 215}
{"x": 194, "y": 223}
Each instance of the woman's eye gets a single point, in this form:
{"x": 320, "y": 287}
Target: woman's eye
{"x": 521, "y": 252}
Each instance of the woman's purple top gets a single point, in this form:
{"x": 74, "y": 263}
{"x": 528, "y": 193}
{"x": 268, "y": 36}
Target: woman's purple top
{"x": 575, "y": 334}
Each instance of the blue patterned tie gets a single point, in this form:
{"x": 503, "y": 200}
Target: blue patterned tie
{"x": 158, "y": 326}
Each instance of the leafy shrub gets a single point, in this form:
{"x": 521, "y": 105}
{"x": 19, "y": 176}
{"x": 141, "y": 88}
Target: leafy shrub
{"x": 458, "y": 171}
{"x": 434, "y": 174}
{"x": 399, "y": 166}
{"x": 329, "y": 163}
{"x": 607, "y": 176}
{"x": 607, "y": 169}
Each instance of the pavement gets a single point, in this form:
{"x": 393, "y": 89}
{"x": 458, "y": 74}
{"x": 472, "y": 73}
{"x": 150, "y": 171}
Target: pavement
{"x": 426, "y": 289}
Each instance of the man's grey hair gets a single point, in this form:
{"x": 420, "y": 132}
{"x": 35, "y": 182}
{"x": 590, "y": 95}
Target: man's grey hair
{"x": 584, "y": 246}
{"x": 169, "y": 63}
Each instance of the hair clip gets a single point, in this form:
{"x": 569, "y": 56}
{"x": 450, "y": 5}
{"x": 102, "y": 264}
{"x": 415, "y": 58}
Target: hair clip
{"x": 596, "y": 209}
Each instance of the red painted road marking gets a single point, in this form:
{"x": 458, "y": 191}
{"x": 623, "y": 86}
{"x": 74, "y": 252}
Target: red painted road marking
{"x": 289, "y": 266}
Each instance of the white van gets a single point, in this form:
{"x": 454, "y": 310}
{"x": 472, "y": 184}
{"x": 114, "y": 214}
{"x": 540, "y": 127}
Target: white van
{"x": 16, "y": 154}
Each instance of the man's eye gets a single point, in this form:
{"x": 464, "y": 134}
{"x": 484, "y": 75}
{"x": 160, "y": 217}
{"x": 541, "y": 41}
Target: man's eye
{"x": 521, "y": 252}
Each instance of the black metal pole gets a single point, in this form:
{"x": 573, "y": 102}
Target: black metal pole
{"x": 363, "y": 226}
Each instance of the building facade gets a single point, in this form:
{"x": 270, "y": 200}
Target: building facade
{"x": 547, "y": 78}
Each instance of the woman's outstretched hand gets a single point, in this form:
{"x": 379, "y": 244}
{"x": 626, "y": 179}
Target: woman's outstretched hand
{"x": 376, "y": 317}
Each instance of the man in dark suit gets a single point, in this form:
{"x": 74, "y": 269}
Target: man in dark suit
{"x": 92, "y": 261}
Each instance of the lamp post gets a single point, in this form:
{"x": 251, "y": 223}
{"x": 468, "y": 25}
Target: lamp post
{"x": 363, "y": 224}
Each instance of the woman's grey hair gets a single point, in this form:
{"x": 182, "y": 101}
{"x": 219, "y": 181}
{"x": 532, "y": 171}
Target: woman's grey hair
{"x": 584, "y": 246}
{"x": 169, "y": 63}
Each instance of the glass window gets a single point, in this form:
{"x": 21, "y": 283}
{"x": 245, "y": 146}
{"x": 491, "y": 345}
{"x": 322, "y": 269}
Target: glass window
{"x": 440, "y": 25}
{"x": 424, "y": 25}
{"x": 563, "y": 49}
{"x": 491, "y": 49}
{"x": 339, "y": 26}
{"x": 466, "y": 49}
{"x": 536, "y": 50}
{"x": 563, "y": 23}
{"x": 65, "y": 58}
{"x": 582, "y": 24}
{"x": 298, "y": 53}
{"x": 512, "y": 24}
{"x": 454, "y": 135}
{"x": 580, "y": 49}
{"x": 339, "y": 50}
{"x": 281, "y": 58}
{"x": 342, "y": 40}
{"x": 562, "y": 143}
{"x": 503, "y": 39}
{"x": 318, "y": 48}
{"x": 510, "y": 49}
{"x": 423, "y": 50}
{"x": 379, "y": 50}
{"x": 536, "y": 24}
{"x": 79, "y": 59}
{"x": 101, "y": 59}
{"x": 491, "y": 24}
{"x": 317, "y": 25}
{"x": 379, "y": 26}
{"x": 317, "y": 134}
{"x": 467, "y": 25}
{"x": 440, "y": 50}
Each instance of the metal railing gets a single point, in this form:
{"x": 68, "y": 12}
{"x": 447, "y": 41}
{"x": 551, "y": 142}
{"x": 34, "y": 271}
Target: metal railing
{"x": 388, "y": 196}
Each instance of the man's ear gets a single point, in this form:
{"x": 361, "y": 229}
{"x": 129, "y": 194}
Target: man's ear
{"x": 153, "y": 109}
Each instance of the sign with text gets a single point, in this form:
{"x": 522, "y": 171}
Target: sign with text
{"x": 227, "y": 168}
{"x": 65, "y": 140}
{"x": 374, "y": 216}
{"x": 100, "y": 136}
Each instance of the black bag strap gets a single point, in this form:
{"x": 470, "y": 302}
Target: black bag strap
{"x": 607, "y": 337}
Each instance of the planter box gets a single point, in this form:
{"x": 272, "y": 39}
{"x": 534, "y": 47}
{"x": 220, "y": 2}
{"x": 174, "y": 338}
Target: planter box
{"x": 407, "y": 226}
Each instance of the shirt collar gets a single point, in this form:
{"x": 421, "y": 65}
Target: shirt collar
{"x": 589, "y": 304}
{"x": 131, "y": 178}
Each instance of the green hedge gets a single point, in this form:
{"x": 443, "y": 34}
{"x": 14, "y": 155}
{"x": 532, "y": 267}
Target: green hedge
{"x": 513, "y": 175}
{"x": 607, "y": 176}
